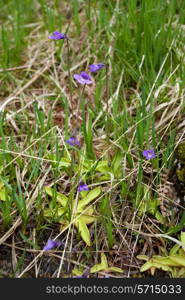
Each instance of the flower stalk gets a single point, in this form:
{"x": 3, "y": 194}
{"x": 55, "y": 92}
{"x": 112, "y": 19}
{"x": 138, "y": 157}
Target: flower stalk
{"x": 69, "y": 72}
{"x": 107, "y": 102}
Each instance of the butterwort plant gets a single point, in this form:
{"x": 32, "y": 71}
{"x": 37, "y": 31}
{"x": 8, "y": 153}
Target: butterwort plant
{"x": 84, "y": 212}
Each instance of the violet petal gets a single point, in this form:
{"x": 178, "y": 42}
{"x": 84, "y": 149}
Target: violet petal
{"x": 51, "y": 244}
{"x": 72, "y": 141}
{"x": 96, "y": 67}
{"x": 149, "y": 153}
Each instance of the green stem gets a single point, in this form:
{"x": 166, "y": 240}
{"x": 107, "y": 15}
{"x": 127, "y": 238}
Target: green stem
{"x": 81, "y": 98}
{"x": 107, "y": 101}
{"x": 69, "y": 72}
{"x": 76, "y": 114}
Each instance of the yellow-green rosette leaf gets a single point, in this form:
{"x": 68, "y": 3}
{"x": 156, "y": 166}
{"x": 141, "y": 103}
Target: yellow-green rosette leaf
{"x": 147, "y": 266}
{"x": 174, "y": 249}
{"x": 103, "y": 166}
{"x": 90, "y": 197}
{"x": 96, "y": 268}
{"x": 54, "y": 213}
{"x": 143, "y": 257}
{"x": 87, "y": 211}
{"x": 87, "y": 216}
{"x": 167, "y": 261}
{"x": 83, "y": 230}
{"x": 2, "y": 192}
{"x": 182, "y": 237}
{"x": 62, "y": 199}
{"x": 77, "y": 272}
{"x": 115, "y": 269}
{"x": 65, "y": 162}
{"x": 180, "y": 260}
{"x": 104, "y": 261}
{"x": 100, "y": 267}
{"x": 87, "y": 219}
{"x": 151, "y": 264}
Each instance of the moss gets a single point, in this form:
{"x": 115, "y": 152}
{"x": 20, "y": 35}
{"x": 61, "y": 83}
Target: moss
{"x": 180, "y": 153}
{"x": 181, "y": 174}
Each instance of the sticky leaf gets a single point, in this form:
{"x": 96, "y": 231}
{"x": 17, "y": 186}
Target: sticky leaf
{"x": 62, "y": 199}
{"x": 84, "y": 231}
{"x": 103, "y": 266}
{"x": 178, "y": 259}
{"x": 182, "y": 237}
{"x": 90, "y": 197}
{"x": 115, "y": 269}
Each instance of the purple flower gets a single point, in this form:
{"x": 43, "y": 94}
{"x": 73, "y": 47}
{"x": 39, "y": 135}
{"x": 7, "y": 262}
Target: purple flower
{"x": 96, "y": 67}
{"x": 83, "y": 78}
{"x": 72, "y": 141}
{"x": 51, "y": 244}
{"x": 83, "y": 187}
{"x": 57, "y": 36}
{"x": 149, "y": 153}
